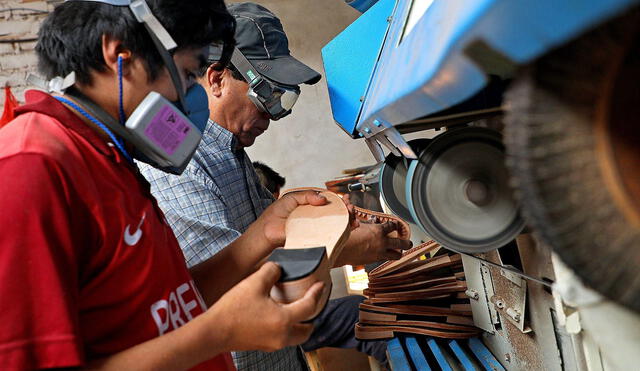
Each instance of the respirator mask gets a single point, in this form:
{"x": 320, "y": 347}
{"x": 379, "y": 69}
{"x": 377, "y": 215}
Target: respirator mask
{"x": 164, "y": 134}
{"x": 274, "y": 99}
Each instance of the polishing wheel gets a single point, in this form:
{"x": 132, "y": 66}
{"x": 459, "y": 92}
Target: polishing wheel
{"x": 393, "y": 177}
{"x": 457, "y": 191}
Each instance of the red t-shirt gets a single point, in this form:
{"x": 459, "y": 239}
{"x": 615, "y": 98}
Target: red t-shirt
{"x": 88, "y": 265}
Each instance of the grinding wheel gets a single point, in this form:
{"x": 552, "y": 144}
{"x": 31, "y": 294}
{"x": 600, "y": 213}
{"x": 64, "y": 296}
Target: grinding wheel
{"x": 457, "y": 191}
{"x": 393, "y": 177}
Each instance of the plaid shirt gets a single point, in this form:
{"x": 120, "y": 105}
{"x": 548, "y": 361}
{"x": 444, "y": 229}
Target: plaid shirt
{"x": 210, "y": 205}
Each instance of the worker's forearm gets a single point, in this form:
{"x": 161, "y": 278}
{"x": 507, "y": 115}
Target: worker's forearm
{"x": 224, "y": 270}
{"x": 221, "y": 272}
{"x": 195, "y": 342}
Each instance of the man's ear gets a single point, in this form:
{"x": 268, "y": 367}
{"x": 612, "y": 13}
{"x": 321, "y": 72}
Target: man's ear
{"x": 111, "y": 49}
{"x": 214, "y": 80}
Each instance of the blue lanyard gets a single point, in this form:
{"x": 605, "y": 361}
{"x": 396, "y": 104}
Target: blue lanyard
{"x": 118, "y": 142}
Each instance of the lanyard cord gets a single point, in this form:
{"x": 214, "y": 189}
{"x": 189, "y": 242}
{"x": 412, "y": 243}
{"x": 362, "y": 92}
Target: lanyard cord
{"x": 120, "y": 106}
{"x": 118, "y": 142}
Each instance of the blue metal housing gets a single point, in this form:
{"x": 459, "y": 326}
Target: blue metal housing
{"x": 428, "y": 70}
{"x": 349, "y": 60}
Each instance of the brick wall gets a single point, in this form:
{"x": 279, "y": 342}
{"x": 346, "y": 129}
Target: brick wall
{"x": 19, "y": 23}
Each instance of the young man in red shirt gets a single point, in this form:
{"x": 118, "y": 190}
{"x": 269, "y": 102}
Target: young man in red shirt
{"x": 91, "y": 275}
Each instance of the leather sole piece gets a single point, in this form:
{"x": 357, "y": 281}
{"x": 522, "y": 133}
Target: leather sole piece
{"x": 328, "y": 225}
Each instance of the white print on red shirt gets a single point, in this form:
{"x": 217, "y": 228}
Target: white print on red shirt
{"x": 132, "y": 239}
{"x": 176, "y": 311}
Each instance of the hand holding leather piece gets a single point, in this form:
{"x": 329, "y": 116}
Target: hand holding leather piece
{"x": 252, "y": 320}
{"x": 329, "y": 226}
{"x": 371, "y": 243}
{"x": 273, "y": 219}
{"x": 374, "y": 236}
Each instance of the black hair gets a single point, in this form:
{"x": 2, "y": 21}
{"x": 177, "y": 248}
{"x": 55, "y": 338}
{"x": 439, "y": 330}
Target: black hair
{"x": 269, "y": 178}
{"x": 70, "y": 38}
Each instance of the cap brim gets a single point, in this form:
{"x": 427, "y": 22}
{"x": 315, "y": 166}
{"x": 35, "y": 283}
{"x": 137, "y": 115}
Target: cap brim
{"x": 286, "y": 70}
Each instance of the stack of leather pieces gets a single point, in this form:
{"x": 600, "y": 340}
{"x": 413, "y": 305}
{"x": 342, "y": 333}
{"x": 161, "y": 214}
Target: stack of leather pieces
{"x": 417, "y": 295}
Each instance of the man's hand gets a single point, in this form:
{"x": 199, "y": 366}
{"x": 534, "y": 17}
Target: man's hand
{"x": 218, "y": 274}
{"x": 251, "y": 320}
{"x": 371, "y": 243}
{"x": 273, "y": 219}
{"x": 245, "y": 318}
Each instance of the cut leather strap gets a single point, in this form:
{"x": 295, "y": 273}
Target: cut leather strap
{"x": 461, "y": 306}
{"x": 420, "y": 284}
{"x": 372, "y": 332}
{"x": 368, "y": 316}
{"x": 418, "y": 310}
{"x": 422, "y": 324}
{"x": 428, "y": 266}
{"x": 461, "y": 285}
{"x": 461, "y": 320}
{"x": 399, "y": 290}
{"x": 407, "y": 257}
{"x": 431, "y": 293}
{"x": 365, "y": 316}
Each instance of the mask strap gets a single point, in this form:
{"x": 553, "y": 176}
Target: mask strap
{"x": 55, "y": 85}
{"x": 144, "y": 15}
{"x": 120, "y": 100}
{"x": 161, "y": 38}
{"x": 120, "y": 130}
{"x": 163, "y": 42}
{"x": 173, "y": 71}
{"x": 118, "y": 142}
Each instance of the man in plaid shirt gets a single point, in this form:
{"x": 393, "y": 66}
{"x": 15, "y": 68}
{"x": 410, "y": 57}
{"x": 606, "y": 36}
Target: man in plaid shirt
{"x": 219, "y": 194}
